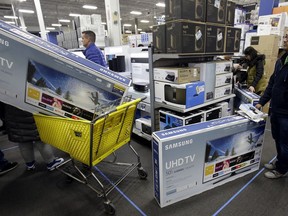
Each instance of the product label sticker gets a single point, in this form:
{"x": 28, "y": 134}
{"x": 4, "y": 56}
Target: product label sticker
{"x": 198, "y": 34}
{"x": 217, "y": 3}
{"x": 219, "y": 36}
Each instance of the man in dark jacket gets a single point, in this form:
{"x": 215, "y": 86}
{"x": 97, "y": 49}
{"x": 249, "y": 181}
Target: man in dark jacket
{"x": 277, "y": 93}
{"x": 92, "y": 52}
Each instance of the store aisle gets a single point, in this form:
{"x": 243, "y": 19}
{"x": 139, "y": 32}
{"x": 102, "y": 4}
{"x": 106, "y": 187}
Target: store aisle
{"x": 47, "y": 193}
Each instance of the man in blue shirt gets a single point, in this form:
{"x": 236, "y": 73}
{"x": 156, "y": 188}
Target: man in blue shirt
{"x": 92, "y": 52}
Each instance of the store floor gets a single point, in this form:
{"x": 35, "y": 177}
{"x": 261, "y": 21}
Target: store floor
{"x": 43, "y": 193}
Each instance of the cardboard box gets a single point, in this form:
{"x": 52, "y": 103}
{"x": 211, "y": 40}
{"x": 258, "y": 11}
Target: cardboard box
{"x": 223, "y": 67}
{"x": 269, "y": 66}
{"x": 159, "y": 38}
{"x": 216, "y": 11}
{"x": 233, "y": 38}
{"x": 177, "y": 75}
{"x": 171, "y": 119}
{"x": 276, "y": 21}
{"x": 266, "y": 44}
{"x": 244, "y": 96}
{"x": 180, "y": 95}
{"x": 185, "y": 37}
{"x": 215, "y": 38}
{"x": 143, "y": 125}
{"x": 191, "y": 159}
{"x": 222, "y": 91}
{"x": 230, "y": 13}
{"x": 194, "y": 10}
{"x": 43, "y": 73}
{"x": 223, "y": 79}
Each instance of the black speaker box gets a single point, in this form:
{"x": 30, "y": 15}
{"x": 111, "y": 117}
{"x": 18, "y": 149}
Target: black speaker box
{"x": 216, "y": 11}
{"x": 230, "y": 14}
{"x": 194, "y": 10}
{"x": 159, "y": 38}
{"x": 215, "y": 38}
{"x": 121, "y": 63}
{"x": 175, "y": 95}
{"x": 233, "y": 39}
{"x": 114, "y": 64}
{"x": 185, "y": 37}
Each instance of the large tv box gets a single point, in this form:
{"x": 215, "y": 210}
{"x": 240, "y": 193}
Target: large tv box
{"x": 191, "y": 159}
{"x": 39, "y": 76}
{"x": 182, "y": 96}
{"x": 184, "y": 36}
{"x": 244, "y": 96}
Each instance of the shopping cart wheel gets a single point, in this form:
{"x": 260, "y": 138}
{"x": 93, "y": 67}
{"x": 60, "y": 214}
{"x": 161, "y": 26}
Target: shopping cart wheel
{"x": 109, "y": 208}
{"x": 142, "y": 173}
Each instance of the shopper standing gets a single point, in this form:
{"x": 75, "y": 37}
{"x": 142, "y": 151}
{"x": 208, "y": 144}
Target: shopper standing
{"x": 277, "y": 93}
{"x": 92, "y": 52}
{"x": 21, "y": 129}
{"x": 256, "y": 81}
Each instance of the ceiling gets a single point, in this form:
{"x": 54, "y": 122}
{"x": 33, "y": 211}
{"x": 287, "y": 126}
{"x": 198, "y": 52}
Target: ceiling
{"x": 53, "y": 10}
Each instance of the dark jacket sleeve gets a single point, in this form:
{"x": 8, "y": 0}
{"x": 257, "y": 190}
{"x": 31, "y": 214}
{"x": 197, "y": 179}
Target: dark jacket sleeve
{"x": 268, "y": 91}
{"x": 259, "y": 72}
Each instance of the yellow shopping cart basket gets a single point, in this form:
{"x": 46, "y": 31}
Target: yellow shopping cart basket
{"x": 89, "y": 142}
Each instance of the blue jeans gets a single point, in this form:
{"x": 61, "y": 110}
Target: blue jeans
{"x": 279, "y": 128}
{"x": 3, "y": 161}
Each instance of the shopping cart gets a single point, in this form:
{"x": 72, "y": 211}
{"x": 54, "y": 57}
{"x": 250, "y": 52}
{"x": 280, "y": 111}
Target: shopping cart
{"x": 90, "y": 142}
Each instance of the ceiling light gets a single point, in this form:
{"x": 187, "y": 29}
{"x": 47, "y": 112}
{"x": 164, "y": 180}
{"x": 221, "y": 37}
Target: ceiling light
{"x": 139, "y": 29}
{"x": 150, "y": 27}
{"x": 103, "y": 23}
{"x": 22, "y": 0}
{"x": 74, "y": 14}
{"x": 142, "y": 32}
{"x": 128, "y": 31}
{"x": 23, "y": 27}
{"x": 50, "y": 28}
{"x": 144, "y": 21}
{"x": 56, "y": 24}
{"x": 26, "y": 11}
{"x": 11, "y": 17}
{"x": 136, "y": 12}
{"x": 10, "y": 22}
{"x": 64, "y": 20}
{"x": 127, "y": 25}
{"x": 89, "y": 7}
{"x": 160, "y": 4}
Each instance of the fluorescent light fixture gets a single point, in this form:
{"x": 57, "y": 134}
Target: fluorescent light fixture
{"x": 150, "y": 27}
{"x": 11, "y": 17}
{"x": 46, "y": 31}
{"x": 139, "y": 29}
{"x": 136, "y": 12}
{"x": 23, "y": 27}
{"x": 144, "y": 21}
{"x": 128, "y": 31}
{"x": 142, "y": 32}
{"x": 74, "y": 14}
{"x": 26, "y": 11}
{"x": 56, "y": 24}
{"x": 64, "y": 20}
{"x": 50, "y": 28}
{"x": 160, "y": 4}
{"x": 103, "y": 23}
{"x": 127, "y": 25}
{"x": 89, "y": 7}
{"x": 10, "y": 22}
{"x": 22, "y": 0}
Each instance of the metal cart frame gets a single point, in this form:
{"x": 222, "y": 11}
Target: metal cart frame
{"x": 90, "y": 142}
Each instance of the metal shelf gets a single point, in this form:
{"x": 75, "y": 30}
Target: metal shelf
{"x": 194, "y": 107}
{"x": 159, "y": 56}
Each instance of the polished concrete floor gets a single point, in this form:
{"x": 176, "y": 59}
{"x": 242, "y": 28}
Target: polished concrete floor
{"x": 43, "y": 193}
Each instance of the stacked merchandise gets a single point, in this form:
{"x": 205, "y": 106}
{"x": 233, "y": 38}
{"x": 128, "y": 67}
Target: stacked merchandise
{"x": 68, "y": 39}
{"x": 207, "y": 30}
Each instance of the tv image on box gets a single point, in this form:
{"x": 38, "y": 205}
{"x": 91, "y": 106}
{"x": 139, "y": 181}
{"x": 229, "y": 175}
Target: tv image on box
{"x": 175, "y": 95}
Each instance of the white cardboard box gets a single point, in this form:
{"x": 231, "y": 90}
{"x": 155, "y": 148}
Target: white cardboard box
{"x": 222, "y": 91}
{"x": 223, "y": 79}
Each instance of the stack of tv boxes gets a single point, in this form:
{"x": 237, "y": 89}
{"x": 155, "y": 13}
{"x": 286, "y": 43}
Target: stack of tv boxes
{"x": 197, "y": 26}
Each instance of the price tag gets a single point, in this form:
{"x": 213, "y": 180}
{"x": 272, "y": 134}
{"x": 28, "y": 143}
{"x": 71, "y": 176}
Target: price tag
{"x": 198, "y": 34}
{"x": 217, "y": 3}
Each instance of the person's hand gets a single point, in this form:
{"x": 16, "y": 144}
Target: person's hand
{"x": 252, "y": 89}
{"x": 258, "y": 106}
{"x": 239, "y": 67}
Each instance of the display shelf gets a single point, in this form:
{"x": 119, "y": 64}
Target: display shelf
{"x": 143, "y": 135}
{"x": 199, "y": 57}
{"x": 159, "y": 104}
